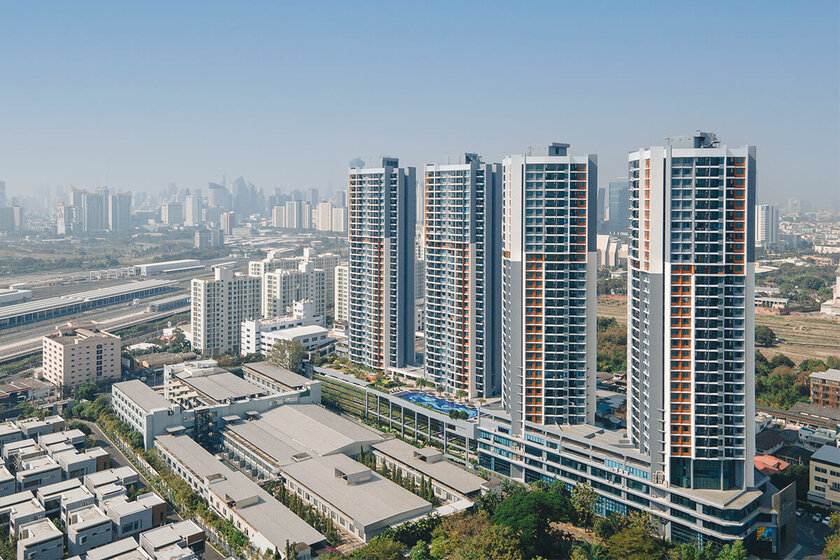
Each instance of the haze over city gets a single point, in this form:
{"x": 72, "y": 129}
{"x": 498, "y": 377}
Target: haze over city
{"x": 137, "y": 97}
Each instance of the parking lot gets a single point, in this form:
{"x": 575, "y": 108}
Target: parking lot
{"x": 810, "y": 535}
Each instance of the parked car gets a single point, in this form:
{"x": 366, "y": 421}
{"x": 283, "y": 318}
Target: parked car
{"x": 817, "y": 517}
{"x": 826, "y": 521}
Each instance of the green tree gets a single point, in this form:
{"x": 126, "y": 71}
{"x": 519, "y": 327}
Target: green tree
{"x": 420, "y": 551}
{"x": 380, "y": 548}
{"x": 494, "y": 541}
{"x": 288, "y": 354}
{"x": 634, "y": 543}
{"x": 86, "y": 392}
{"x": 179, "y": 342}
{"x": 811, "y": 365}
{"x": 590, "y": 551}
{"x": 764, "y": 335}
{"x": 583, "y": 501}
{"x": 460, "y": 394}
{"x": 529, "y": 515}
{"x": 734, "y": 551}
{"x": 780, "y": 360}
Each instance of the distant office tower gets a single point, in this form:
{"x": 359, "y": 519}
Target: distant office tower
{"x": 282, "y": 288}
{"x": 342, "y": 294}
{"x": 766, "y": 225}
{"x": 212, "y": 238}
{"x": 278, "y": 216}
{"x": 77, "y": 197}
{"x": 80, "y": 353}
{"x": 603, "y": 210}
{"x": 18, "y": 217}
{"x": 312, "y": 197}
{"x": 218, "y": 196}
{"x": 7, "y": 219}
{"x": 548, "y": 287}
{"x": 119, "y": 212}
{"x": 219, "y": 305}
{"x": 619, "y": 199}
{"x": 381, "y": 234}
{"x": 462, "y": 322}
{"x": 2, "y": 193}
{"x": 690, "y": 394}
{"x": 62, "y": 225}
{"x": 192, "y": 210}
{"x": 338, "y": 222}
{"x": 228, "y": 222}
{"x": 323, "y": 216}
{"x": 341, "y": 199}
{"x": 172, "y": 213}
{"x": 93, "y": 209}
{"x": 106, "y": 199}
{"x": 298, "y": 215}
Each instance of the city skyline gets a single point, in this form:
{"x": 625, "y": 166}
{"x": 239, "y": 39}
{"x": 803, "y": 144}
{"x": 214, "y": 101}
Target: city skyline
{"x": 278, "y": 102}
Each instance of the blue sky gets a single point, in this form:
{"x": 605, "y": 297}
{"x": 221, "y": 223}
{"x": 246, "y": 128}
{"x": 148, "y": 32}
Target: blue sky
{"x": 136, "y": 95}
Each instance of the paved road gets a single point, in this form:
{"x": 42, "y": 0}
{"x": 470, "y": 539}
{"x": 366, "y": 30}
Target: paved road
{"x": 811, "y": 537}
{"x": 118, "y": 458}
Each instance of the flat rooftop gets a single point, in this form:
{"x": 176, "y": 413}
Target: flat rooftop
{"x": 172, "y": 533}
{"x": 265, "y": 441}
{"x": 278, "y": 374}
{"x": 440, "y": 470}
{"x": 221, "y": 387}
{"x": 39, "y": 530}
{"x": 124, "y": 549}
{"x": 828, "y": 375}
{"x": 47, "y": 304}
{"x": 828, "y": 454}
{"x": 373, "y": 502}
{"x": 315, "y": 428}
{"x": 146, "y": 398}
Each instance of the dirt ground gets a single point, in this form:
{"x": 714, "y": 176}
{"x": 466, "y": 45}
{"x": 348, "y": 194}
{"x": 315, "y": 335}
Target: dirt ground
{"x": 802, "y": 335}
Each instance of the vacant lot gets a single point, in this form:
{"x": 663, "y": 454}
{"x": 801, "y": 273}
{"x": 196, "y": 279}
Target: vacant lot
{"x": 804, "y": 335}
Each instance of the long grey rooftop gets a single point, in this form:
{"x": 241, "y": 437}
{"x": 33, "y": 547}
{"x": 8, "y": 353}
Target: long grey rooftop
{"x": 221, "y": 387}
{"x": 80, "y": 297}
{"x": 278, "y": 374}
{"x": 443, "y": 471}
{"x": 146, "y": 398}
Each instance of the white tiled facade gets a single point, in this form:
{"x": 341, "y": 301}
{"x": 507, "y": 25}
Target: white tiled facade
{"x": 219, "y": 305}
{"x": 73, "y": 356}
{"x": 342, "y": 294}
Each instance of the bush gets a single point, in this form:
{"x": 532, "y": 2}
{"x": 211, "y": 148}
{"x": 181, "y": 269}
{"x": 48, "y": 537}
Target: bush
{"x": 764, "y": 336}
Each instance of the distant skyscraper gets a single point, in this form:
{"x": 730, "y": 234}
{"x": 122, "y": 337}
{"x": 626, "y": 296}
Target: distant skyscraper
{"x": 323, "y": 216}
{"x": 2, "y": 193}
{"x": 228, "y": 222}
{"x": 548, "y": 287}
{"x": 312, "y": 197}
{"x": 172, "y": 213}
{"x": 119, "y": 212}
{"x": 341, "y": 199}
{"x": 338, "y": 222}
{"x": 603, "y": 207}
{"x": 218, "y": 196}
{"x": 766, "y": 226}
{"x": 192, "y": 210}
{"x": 462, "y": 322}
{"x": 278, "y": 216}
{"x": 618, "y": 204}
{"x": 93, "y": 210}
{"x": 62, "y": 226}
{"x": 219, "y": 305}
{"x": 381, "y": 233}
{"x": 690, "y": 380}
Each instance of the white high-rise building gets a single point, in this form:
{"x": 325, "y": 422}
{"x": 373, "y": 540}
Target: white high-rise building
{"x": 278, "y": 216}
{"x": 338, "y": 222}
{"x": 219, "y": 306}
{"x": 766, "y": 225}
{"x": 549, "y": 269}
{"x": 119, "y": 212}
{"x": 192, "y": 210}
{"x": 691, "y": 346}
{"x": 172, "y": 213}
{"x": 282, "y": 288}
{"x": 298, "y": 215}
{"x": 323, "y": 216}
{"x": 462, "y": 266}
{"x": 381, "y": 234}
{"x": 342, "y": 294}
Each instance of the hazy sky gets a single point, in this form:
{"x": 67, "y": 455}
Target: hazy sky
{"x": 137, "y": 95}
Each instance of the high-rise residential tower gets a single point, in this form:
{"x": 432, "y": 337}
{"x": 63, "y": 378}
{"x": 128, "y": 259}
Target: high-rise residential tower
{"x": 549, "y": 265}
{"x": 462, "y": 239}
{"x": 219, "y": 305}
{"x": 342, "y": 294}
{"x": 690, "y": 377}
{"x": 119, "y": 212}
{"x": 192, "y": 210}
{"x": 766, "y": 225}
{"x": 381, "y": 233}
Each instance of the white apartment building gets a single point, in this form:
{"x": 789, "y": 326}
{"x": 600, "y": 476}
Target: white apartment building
{"x": 381, "y": 233}
{"x": 766, "y": 225}
{"x": 80, "y": 353}
{"x": 323, "y": 216}
{"x": 282, "y": 288}
{"x": 253, "y": 331}
{"x": 278, "y": 216}
{"x": 192, "y": 210}
{"x": 219, "y": 306}
{"x": 339, "y": 220}
{"x": 548, "y": 288}
{"x": 690, "y": 397}
{"x": 342, "y": 294}
{"x": 314, "y": 338}
{"x": 462, "y": 274}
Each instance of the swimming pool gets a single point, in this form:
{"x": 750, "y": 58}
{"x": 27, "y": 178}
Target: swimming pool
{"x": 441, "y": 405}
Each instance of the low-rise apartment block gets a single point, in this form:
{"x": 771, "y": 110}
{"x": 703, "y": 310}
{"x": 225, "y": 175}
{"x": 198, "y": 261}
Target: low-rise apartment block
{"x": 130, "y": 518}
{"x": 824, "y": 487}
{"x": 40, "y": 540}
{"x": 87, "y": 527}
{"x": 825, "y": 388}
{"x": 77, "y": 354}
